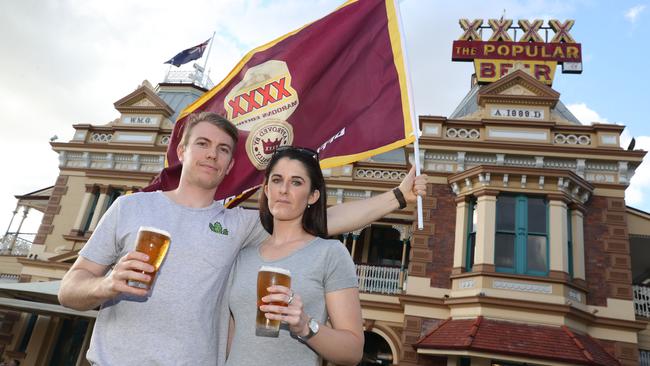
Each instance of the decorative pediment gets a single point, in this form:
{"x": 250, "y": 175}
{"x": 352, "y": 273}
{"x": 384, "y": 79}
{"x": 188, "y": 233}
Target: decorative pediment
{"x": 518, "y": 88}
{"x": 143, "y": 100}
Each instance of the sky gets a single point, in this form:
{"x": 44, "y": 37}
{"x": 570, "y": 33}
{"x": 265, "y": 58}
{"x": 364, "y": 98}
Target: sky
{"x": 65, "y": 62}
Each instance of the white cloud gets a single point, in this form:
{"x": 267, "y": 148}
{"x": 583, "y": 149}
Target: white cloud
{"x": 632, "y": 14}
{"x": 585, "y": 114}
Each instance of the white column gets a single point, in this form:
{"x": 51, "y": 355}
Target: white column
{"x": 486, "y": 206}
{"x": 13, "y": 242}
{"x": 99, "y": 208}
{"x": 83, "y": 208}
{"x": 460, "y": 240}
{"x": 577, "y": 223}
{"x": 557, "y": 238}
{"x": 355, "y": 237}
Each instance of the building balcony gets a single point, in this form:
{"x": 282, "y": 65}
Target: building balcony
{"x": 381, "y": 279}
{"x": 12, "y": 244}
{"x": 641, "y": 301}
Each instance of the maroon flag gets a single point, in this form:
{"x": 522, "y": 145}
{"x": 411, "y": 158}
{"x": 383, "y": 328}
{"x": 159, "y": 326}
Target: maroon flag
{"x": 337, "y": 85}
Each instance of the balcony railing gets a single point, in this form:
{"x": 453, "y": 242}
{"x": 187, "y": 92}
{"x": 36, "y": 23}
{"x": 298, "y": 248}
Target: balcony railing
{"x": 641, "y": 300}
{"x": 378, "y": 279}
{"x": 21, "y": 247}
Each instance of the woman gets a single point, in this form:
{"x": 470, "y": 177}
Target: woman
{"x": 323, "y": 276}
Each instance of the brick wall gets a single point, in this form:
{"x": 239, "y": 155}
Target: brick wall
{"x": 607, "y": 258}
{"x": 53, "y": 209}
{"x": 414, "y": 329}
{"x": 626, "y": 353}
{"x": 432, "y": 249}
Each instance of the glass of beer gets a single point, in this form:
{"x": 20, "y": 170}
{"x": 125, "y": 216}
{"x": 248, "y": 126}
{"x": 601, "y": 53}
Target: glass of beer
{"x": 266, "y": 277}
{"x": 154, "y": 243}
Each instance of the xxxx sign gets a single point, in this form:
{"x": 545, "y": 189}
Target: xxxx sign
{"x": 264, "y": 92}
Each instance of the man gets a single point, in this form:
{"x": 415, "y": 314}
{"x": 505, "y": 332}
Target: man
{"x": 177, "y": 321}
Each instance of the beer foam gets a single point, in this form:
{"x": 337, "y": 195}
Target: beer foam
{"x": 283, "y": 271}
{"x": 154, "y": 230}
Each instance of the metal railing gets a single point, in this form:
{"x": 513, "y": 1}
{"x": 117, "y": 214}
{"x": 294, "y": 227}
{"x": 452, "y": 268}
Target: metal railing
{"x": 644, "y": 357}
{"x": 21, "y": 247}
{"x": 641, "y": 296}
{"x": 378, "y": 279}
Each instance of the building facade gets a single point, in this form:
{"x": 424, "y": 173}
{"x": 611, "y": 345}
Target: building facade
{"x": 529, "y": 254}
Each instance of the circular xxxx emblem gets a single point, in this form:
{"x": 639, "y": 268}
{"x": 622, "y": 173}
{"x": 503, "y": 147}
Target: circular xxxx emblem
{"x": 265, "y": 138}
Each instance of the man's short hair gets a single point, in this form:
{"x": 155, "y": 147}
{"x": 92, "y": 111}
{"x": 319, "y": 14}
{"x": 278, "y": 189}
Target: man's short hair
{"x": 213, "y": 119}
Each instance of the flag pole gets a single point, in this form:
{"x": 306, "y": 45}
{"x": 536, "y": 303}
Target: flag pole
{"x": 414, "y": 121}
{"x": 205, "y": 63}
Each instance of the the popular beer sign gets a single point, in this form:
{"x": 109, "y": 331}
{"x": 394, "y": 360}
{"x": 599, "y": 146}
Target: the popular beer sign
{"x": 511, "y": 48}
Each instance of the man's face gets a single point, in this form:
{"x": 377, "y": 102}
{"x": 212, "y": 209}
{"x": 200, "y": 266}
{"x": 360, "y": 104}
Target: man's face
{"x": 207, "y": 158}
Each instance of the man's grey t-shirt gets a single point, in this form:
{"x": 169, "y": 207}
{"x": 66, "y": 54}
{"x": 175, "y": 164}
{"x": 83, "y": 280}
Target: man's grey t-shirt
{"x": 177, "y": 323}
{"x": 321, "y": 266}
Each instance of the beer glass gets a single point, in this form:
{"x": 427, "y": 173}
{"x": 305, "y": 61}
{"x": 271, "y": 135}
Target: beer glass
{"x": 154, "y": 243}
{"x": 266, "y": 277}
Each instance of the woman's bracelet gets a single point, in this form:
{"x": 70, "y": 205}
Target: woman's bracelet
{"x": 400, "y": 197}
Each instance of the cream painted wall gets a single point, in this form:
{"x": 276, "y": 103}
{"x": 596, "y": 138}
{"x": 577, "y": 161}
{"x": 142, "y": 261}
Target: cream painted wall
{"x": 10, "y": 265}
{"x": 421, "y": 286}
{"x": 638, "y": 224}
{"x": 383, "y": 315}
{"x": 427, "y": 311}
{"x": 644, "y": 338}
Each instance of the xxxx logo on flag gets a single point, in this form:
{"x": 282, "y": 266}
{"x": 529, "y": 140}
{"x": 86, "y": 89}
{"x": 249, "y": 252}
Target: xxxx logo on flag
{"x": 264, "y": 92}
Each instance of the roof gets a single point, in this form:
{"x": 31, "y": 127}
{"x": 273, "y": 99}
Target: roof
{"x": 470, "y": 103}
{"x": 517, "y": 339}
{"x": 179, "y": 96}
{"x": 37, "y": 199}
{"x": 37, "y": 297}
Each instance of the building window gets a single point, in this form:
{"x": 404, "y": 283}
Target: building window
{"x": 115, "y": 193}
{"x": 521, "y": 242}
{"x": 90, "y": 211}
{"x": 472, "y": 220}
{"x": 29, "y": 329}
{"x": 70, "y": 340}
{"x": 386, "y": 247}
{"x": 569, "y": 241}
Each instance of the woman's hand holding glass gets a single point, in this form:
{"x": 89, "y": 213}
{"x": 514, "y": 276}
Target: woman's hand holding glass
{"x": 292, "y": 314}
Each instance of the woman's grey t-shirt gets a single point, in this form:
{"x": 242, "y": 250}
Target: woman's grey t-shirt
{"x": 321, "y": 266}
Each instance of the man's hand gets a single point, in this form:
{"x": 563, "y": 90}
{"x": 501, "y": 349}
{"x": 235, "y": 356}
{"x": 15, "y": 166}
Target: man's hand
{"x": 85, "y": 286}
{"x": 413, "y": 186}
{"x": 129, "y": 267}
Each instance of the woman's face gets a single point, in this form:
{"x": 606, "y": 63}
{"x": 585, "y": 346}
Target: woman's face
{"x": 289, "y": 190}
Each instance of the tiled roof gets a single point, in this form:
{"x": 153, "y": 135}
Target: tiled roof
{"x": 517, "y": 339}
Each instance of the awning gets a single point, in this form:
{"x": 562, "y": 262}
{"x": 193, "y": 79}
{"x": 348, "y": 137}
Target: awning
{"x": 498, "y": 337}
{"x": 37, "y": 297}
{"x": 37, "y": 199}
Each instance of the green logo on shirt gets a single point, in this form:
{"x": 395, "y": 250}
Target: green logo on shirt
{"x": 217, "y": 228}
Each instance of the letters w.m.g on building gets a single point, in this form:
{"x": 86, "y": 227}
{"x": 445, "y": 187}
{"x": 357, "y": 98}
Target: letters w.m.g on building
{"x": 337, "y": 85}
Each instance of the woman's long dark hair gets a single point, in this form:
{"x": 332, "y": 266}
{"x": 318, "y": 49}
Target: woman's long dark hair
{"x": 314, "y": 218}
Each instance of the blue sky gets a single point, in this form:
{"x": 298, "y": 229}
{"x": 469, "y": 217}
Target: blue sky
{"x": 69, "y": 60}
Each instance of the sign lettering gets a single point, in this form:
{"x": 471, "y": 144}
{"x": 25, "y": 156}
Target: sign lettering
{"x": 501, "y": 53}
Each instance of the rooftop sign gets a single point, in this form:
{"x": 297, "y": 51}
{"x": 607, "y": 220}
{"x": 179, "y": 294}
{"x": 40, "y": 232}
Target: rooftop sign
{"x": 510, "y": 48}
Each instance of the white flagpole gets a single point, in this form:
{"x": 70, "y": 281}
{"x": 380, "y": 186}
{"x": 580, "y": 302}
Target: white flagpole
{"x": 414, "y": 121}
{"x": 205, "y": 63}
